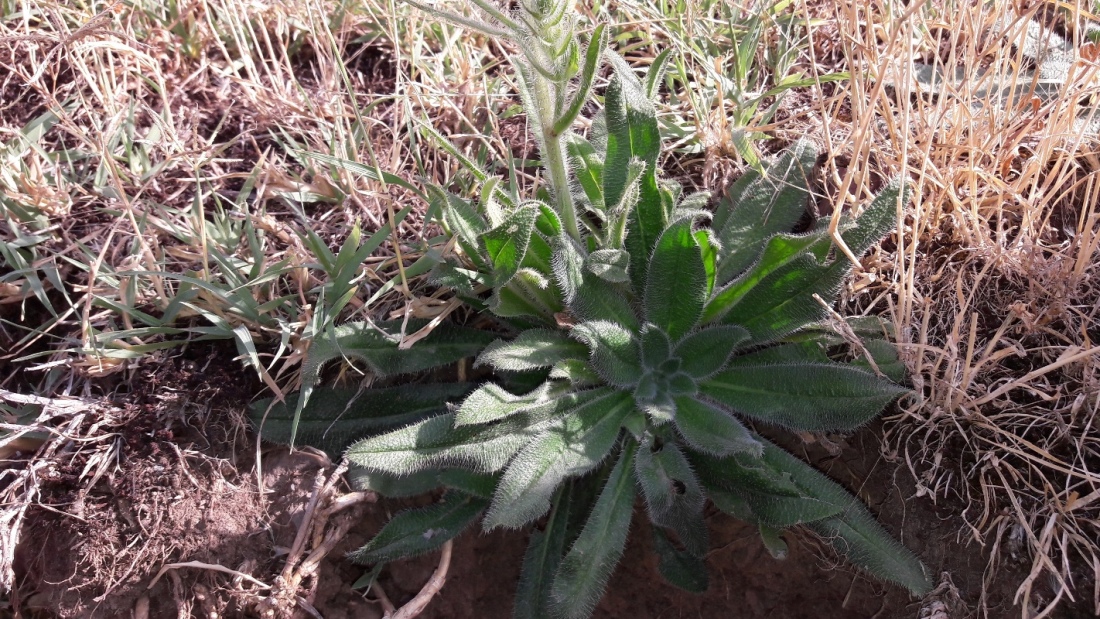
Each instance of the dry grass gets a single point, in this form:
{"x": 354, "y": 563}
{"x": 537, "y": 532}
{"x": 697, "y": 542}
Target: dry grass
{"x": 190, "y": 147}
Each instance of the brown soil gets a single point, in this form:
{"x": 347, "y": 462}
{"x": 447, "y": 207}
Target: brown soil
{"x": 182, "y": 487}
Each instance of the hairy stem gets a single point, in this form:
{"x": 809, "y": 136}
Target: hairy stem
{"x": 553, "y": 158}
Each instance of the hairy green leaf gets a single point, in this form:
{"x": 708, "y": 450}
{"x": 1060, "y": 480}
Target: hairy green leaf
{"x": 855, "y": 535}
{"x": 567, "y": 447}
{"x": 436, "y": 442}
{"x": 506, "y": 244}
{"x": 585, "y": 570}
{"x": 781, "y": 250}
{"x": 712, "y": 430}
{"x": 673, "y": 495}
{"x": 681, "y": 569}
{"x": 676, "y": 286}
{"x": 783, "y": 302}
{"x": 445, "y": 345}
{"x": 490, "y": 402}
{"x": 414, "y": 532}
{"x": 587, "y": 165}
{"x": 805, "y": 396}
{"x": 706, "y": 351}
{"x": 531, "y": 349}
{"x": 610, "y": 265}
{"x": 334, "y": 418}
{"x": 542, "y": 558}
{"x": 761, "y": 206}
{"x": 613, "y": 351}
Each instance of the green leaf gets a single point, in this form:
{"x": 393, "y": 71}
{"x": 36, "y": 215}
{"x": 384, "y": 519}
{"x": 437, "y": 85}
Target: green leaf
{"x": 414, "y": 532}
{"x": 394, "y": 486}
{"x": 531, "y": 349}
{"x": 585, "y": 570}
{"x": 803, "y": 396}
{"x": 541, "y": 561}
{"x": 780, "y": 251}
{"x": 679, "y": 568}
{"x": 654, "y": 347}
{"x": 490, "y": 402}
{"x": 676, "y": 284}
{"x": 334, "y": 418}
{"x": 506, "y": 245}
{"x": 576, "y": 372}
{"x": 761, "y": 206}
{"x": 783, "y": 302}
{"x": 587, "y": 165}
{"x": 445, "y": 345}
{"x": 614, "y": 352}
{"x": 886, "y": 359}
{"x": 589, "y": 297}
{"x": 673, "y": 495}
{"x": 656, "y": 73}
{"x": 633, "y": 134}
{"x": 853, "y": 531}
{"x": 568, "y": 447}
{"x": 709, "y": 249}
{"x": 711, "y": 430}
{"x": 855, "y": 535}
{"x": 632, "y": 131}
{"x": 878, "y": 219}
{"x": 609, "y": 265}
{"x": 466, "y": 224}
{"x": 776, "y": 545}
{"x": 706, "y": 351}
{"x": 596, "y": 45}
{"x": 436, "y": 442}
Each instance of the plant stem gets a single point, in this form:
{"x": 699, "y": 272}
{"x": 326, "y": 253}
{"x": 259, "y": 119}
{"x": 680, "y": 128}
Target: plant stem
{"x": 552, "y": 158}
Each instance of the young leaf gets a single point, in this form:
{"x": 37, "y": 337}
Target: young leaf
{"x": 711, "y": 430}
{"x": 886, "y": 359}
{"x": 567, "y": 447}
{"x": 679, "y": 568}
{"x": 673, "y": 495}
{"x": 654, "y": 347}
{"x": 334, "y": 418}
{"x": 394, "y": 486}
{"x": 810, "y": 396}
{"x": 676, "y": 284}
{"x": 589, "y": 297}
{"x": 506, "y": 244}
{"x": 587, "y": 165}
{"x": 532, "y": 349}
{"x": 414, "y": 532}
{"x": 596, "y": 46}
{"x": 585, "y": 570}
{"x": 706, "y": 351}
{"x": 614, "y": 352}
{"x": 776, "y": 545}
{"x": 609, "y": 265}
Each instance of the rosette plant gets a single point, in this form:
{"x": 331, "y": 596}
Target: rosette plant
{"x": 638, "y": 339}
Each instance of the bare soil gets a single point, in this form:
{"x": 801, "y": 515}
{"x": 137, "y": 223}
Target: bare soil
{"x": 181, "y": 487}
